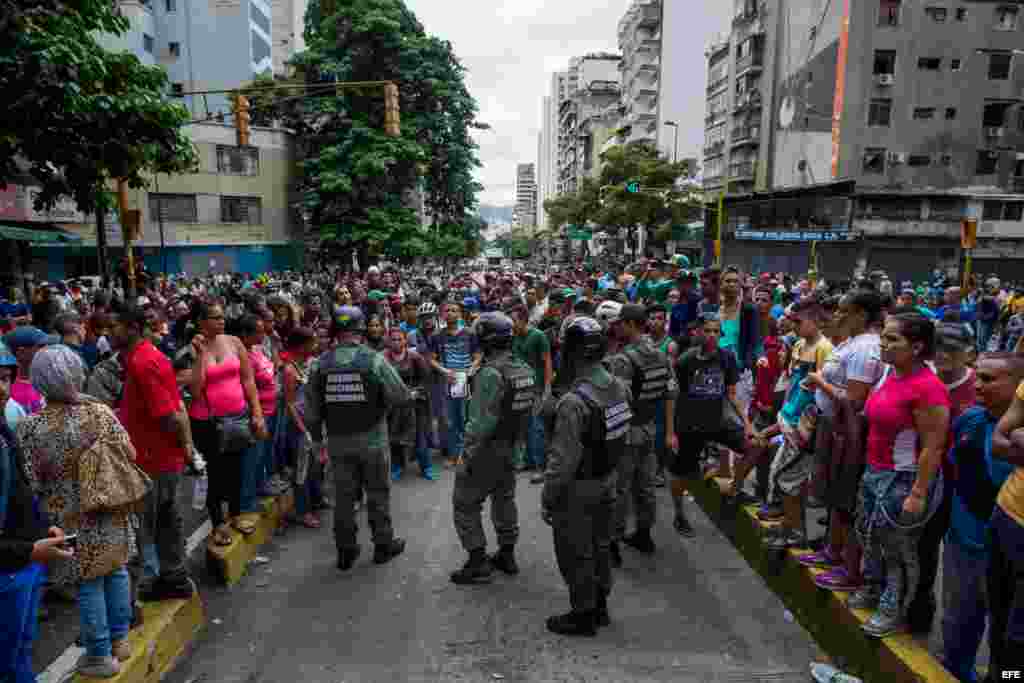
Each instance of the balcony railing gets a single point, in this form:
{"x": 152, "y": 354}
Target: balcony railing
{"x": 753, "y": 61}
{"x": 742, "y": 171}
{"x": 712, "y": 87}
{"x": 745, "y": 14}
{"x": 749, "y": 100}
{"x": 742, "y": 135}
{"x": 714, "y": 148}
{"x": 711, "y": 117}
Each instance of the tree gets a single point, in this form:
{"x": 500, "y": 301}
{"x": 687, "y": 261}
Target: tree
{"x": 665, "y": 196}
{"x": 361, "y": 186}
{"x": 76, "y": 114}
{"x": 575, "y": 208}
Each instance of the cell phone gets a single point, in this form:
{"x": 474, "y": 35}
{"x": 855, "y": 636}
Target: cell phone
{"x": 70, "y": 541}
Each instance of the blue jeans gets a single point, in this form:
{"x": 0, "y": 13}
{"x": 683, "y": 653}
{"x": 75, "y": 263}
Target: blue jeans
{"x": 535, "y": 441}
{"x": 105, "y": 610}
{"x": 964, "y": 609}
{"x": 310, "y": 494}
{"x": 456, "y": 427}
{"x": 255, "y": 467}
{"x": 20, "y": 593}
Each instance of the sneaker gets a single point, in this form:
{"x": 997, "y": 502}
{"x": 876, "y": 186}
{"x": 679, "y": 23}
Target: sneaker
{"x": 473, "y": 572}
{"x": 347, "y": 558}
{"x": 505, "y": 561}
{"x": 98, "y": 667}
{"x": 396, "y": 474}
{"x": 537, "y": 478}
{"x": 641, "y": 541}
{"x": 121, "y": 650}
{"x": 865, "y": 597}
{"x": 770, "y": 513}
{"x": 659, "y": 481}
{"x": 882, "y": 624}
{"x": 683, "y": 528}
{"x": 428, "y": 473}
{"x": 837, "y": 579}
{"x": 825, "y": 673}
{"x": 388, "y": 551}
{"x": 789, "y": 538}
{"x": 573, "y": 624}
{"x": 814, "y": 503}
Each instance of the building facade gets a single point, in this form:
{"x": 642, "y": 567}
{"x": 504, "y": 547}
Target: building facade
{"x": 237, "y": 213}
{"x": 639, "y": 36}
{"x": 911, "y": 112}
{"x": 526, "y": 197}
{"x": 288, "y": 23}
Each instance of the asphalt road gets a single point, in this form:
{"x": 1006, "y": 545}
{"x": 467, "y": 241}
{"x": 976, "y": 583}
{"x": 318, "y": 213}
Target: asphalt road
{"x": 693, "y": 612}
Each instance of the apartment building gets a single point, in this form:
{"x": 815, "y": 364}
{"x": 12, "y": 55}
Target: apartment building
{"x": 639, "y": 36}
{"x": 873, "y": 128}
{"x": 288, "y": 18}
{"x": 525, "y": 215}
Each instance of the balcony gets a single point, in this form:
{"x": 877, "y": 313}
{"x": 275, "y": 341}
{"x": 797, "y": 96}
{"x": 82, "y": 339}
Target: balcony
{"x": 745, "y": 14}
{"x": 714, "y": 149}
{"x": 745, "y": 135}
{"x": 751, "y": 64}
{"x": 713, "y": 116}
{"x": 748, "y": 101}
{"x": 717, "y": 85}
{"x": 742, "y": 171}
{"x": 649, "y": 16}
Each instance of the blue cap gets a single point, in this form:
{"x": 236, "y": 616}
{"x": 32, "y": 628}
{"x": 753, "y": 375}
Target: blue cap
{"x": 25, "y": 336}
{"x": 7, "y": 359}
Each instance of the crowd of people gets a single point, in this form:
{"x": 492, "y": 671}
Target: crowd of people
{"x": 896, "y": 412}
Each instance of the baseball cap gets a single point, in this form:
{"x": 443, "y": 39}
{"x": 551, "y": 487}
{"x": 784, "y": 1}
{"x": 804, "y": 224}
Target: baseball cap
{"x": 23, "y": 337}
{"x": 953, "y": 337}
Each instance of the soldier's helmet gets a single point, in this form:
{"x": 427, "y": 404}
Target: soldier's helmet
{"x": 493, "y": 330}
{"x": 584, "y": 338}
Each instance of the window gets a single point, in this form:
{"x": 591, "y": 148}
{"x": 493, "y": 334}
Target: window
{"x": 924, "y": 113}
{"x": 885, "y": 62}
{"x": 961, "y": 14}
{"x": 950, "y": 113}
{"x": 889, "y": 12}
{"x": 942, "y": 208}
{"x": 929, "y": 63}
{"x": 994, "y": 114}
{"x": 147, "y": 43}
{"x": 1006, "y": 18}
{"x": 174, "y": 49}
{"x": 937, "y": 14}
{"x": 172, "y": 5}
{"x": 1020, "y": 118}
{"x": 1018, "y": 169}
{"x": 892, "y": 209}
{"x": 874, "y": 160}
{"x": 246, "y": 210}
{"x": 178, "y": 89}
{"x": 238, "y": 160}
{"x": 175, "y": 208}
{"x": 999, "y": 66}
{"x": 946, "y": 160}
{"x": 987, "y": 162}
{"x": 880, "y": 113}
{"x": 919, "y": 160}
{"x": 955, "y": 65}
{"x": 1003, "y": 211}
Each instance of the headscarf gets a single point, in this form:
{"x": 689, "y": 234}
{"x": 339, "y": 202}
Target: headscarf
{"x": 58, "y": 373}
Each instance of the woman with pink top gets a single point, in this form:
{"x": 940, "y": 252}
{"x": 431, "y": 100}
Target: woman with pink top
{"x": 257, "y": 464}
{"x": 222, "y": 385}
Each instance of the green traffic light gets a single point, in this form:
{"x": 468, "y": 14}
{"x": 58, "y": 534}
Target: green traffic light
{"x": 633, "y": 187}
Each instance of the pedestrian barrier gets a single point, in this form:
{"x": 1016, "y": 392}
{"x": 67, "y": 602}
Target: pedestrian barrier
{"x": 823, "y": 613}
{"x": 228, "y": 563}
{"x": 169, "y": 627}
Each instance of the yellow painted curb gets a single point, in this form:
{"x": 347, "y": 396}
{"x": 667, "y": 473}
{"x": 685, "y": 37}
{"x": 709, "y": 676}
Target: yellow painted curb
{"x": 229, "y": 563}
{"x": 168, "y": 629}
{"x": 824, "y": 614}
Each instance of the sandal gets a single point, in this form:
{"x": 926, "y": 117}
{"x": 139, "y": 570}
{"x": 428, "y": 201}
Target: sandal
{"x": 246, "y": 527}
{"x": 789, "y": 538}
{"x": 221, "y": 536}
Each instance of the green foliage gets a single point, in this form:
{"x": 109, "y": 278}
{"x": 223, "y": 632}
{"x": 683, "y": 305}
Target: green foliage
{"x": 359, "y": 184}
{"x": 575, "y": 208}
{"x": 78, "y": 114}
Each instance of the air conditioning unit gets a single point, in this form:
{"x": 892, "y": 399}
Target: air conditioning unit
{"x": 896, "y": 157}
{"x": 994, "y": 132}
{"x": 885, "y": 79}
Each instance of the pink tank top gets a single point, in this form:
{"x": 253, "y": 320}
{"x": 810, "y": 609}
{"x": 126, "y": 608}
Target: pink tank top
{"x": 266, "y": 384}
{"x": 223, "y": 392}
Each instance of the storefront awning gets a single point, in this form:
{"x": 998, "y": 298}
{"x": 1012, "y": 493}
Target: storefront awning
{"x": 9, "y": 231}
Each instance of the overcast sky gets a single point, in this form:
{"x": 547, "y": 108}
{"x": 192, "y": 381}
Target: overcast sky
{"x": 511, "y": 48}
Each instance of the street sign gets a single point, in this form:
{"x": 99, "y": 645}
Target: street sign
{"x": 574, "y": 232}
{"x": 632, "y": 187}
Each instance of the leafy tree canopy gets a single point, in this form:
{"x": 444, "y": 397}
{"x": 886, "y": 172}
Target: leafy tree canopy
{"x": 77, "y": 114}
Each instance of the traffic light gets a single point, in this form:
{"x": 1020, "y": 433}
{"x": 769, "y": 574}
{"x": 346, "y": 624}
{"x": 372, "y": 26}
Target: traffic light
{"x": 633, "y": 187}
{"x": 969, "y": 233}
{"x": 391, "y": 118}
{"x": 242, "y": 119}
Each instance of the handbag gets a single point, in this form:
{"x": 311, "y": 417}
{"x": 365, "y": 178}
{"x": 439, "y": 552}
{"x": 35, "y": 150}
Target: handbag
{"x": 234, "y": 432}
{"x": 108, "y": 477}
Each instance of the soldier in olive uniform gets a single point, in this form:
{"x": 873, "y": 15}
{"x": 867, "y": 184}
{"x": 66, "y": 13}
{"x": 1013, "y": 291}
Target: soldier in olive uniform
{"x": 649, "y": 375}
{"x": 591, "y": 425}
{"x": 350, "y": 391}
{"x": 504, "y": 394}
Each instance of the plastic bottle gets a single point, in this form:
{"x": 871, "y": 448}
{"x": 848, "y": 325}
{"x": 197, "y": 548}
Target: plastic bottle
{"x": 199, "y": 492}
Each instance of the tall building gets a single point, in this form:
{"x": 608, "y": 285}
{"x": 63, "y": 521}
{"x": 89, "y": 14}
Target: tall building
{"x": 639, "y": 35}
{"x": 873, "y": 128}
{"x": 204, "y": 45}
{"x": 546, "y": 153}
{"x": 289, "y": 22}
{"x": 584, "y": 115}
{"x": 526, "y": 197}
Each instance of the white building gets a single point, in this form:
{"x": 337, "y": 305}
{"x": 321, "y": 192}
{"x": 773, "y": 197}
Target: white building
{"x": 289, "y": 20}
{"x": 526, "y": 197}
{"x": 640, "y": 42}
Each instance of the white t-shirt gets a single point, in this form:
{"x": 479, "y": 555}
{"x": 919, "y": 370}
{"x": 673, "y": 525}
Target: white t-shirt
{"x": 856, "y": 359}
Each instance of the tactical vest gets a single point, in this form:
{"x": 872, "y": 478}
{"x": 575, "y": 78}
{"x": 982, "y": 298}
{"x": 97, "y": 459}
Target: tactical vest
{"x": 352, "y": 397}
{"x": 521, "y": 393}
{"x": 651, "y": 377}
{"x": 604, "y": 434}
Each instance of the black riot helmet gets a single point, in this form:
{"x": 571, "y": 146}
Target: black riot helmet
{"x": 494, "y": 330}
{"x": 584, "y": 339}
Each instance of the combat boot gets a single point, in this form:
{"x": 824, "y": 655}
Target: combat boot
{"x": 477, "y": 569}
{"x": 387, "y": 551}
{"x": 615, "y": 554}
{"x": 573, "y": 624}
{"x": 641, "y": 541}
{"x": 505, "y": 560}
{"x": 601, "y": 616}
{"x": 347, "y": 558}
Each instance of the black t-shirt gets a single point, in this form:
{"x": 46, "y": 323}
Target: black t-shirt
{"x": 703, "y": 389}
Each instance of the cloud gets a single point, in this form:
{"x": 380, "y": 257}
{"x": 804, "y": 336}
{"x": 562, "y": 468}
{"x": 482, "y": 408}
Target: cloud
{"x": 511, "y": 47}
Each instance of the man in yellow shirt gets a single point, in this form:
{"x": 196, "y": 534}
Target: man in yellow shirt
{"x": 1006, "y": 571}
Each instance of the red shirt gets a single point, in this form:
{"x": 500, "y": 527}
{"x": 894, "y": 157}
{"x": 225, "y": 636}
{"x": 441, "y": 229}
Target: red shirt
{"x": 150, "y": 394}
{"x": 893, "y": 443}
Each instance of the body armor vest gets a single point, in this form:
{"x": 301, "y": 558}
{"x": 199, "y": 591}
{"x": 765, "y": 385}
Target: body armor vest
{"x": 352, "y": 400}
{"x": 604, "y": 434}
{"x": 651, "y": 377}
{"x": 521, "y": 393}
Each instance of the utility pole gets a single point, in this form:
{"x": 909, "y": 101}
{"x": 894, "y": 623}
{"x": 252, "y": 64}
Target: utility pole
{"x": 101, "y": 243}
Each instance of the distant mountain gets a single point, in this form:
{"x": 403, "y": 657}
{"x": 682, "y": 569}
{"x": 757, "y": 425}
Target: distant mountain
{"x": 496, "y": 214}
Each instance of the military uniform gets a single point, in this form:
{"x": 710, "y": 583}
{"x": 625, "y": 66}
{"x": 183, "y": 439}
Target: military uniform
{"x": 504, "y": 393}
{"x": 649, "y": 375}
{"x": 591, "y": 425}
{"x": 350, "y": 391}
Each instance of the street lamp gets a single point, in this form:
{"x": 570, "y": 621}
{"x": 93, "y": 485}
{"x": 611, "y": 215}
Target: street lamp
{"x": 675, "y": 144}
